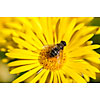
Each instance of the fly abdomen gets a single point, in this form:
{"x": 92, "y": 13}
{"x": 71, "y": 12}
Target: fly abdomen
{"x": 54, "y": 52}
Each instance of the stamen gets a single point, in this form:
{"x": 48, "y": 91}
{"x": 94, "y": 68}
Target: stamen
{"x": 51, "y": 63}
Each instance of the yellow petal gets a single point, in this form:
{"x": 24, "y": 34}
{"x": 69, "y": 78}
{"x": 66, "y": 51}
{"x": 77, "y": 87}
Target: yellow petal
{"x": 13, "y": 25}
{"x": 23, "y": 51}
{"x": 43, "y": 79}
{"x": 43, "y": 22}
{"x": 24, "y": 68}
{"x": 36, "y": 25}
{"x": 63, "y": 26}
{"x": 51, "y": 77}
{"x": 24, "y": 44}
{"x": 69, "y": 32}
{"x": 34, "y": 37}
{"x": 82, "y": 65}
{"x": 82, "y": 32}
{"x": 90, "y": 67}
{"x": 84, "y": 19}
{"x": 83, "y": 50}
{"x": 63, "y": 79}
{"x": 25, "y": 21}
{"x": 21, "y": 62}
{"x": 84, "y": 68}
{"x": 87, "y": 78}
{"x": 55, "y": 38}
{"x": 27, "y": 74}
{"x": 50, "y": 30}
{"x": 93, "y": 59}
{"x": 22, "y": 54}
{"x": 38, "y": 29}
{"x": 55, "y": 78}
{"x": 59, "y": 80}
{"x": 30, "y": 40}
{"x": 38, "y": 76}
{"x": 74, "y": 75}
{"x": 81, "y": 41}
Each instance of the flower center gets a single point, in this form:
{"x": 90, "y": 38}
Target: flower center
{"x": 51, "y": 63}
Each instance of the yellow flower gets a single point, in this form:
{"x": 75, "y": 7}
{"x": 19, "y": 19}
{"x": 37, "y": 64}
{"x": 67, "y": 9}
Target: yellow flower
{"x": 36, "y": 42}
{"x": 11, "y": 26}
{"x": 8, "y": 27}
{"x": 84, "y": 19}
{"x": 16, "y": 24}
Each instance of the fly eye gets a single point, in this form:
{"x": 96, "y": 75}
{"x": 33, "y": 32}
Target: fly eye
{"x": 63, "y": 42}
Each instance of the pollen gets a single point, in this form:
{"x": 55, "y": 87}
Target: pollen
{"x": 51, "y": 63}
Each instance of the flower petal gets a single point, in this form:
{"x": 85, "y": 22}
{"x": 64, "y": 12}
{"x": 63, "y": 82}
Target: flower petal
{"x": 24, "y": 68}
{"x": 74, "y": 75}
{"x": 27, "y": 74}
{"x": 38, "y": 76}
{"x": 21, "y": 62}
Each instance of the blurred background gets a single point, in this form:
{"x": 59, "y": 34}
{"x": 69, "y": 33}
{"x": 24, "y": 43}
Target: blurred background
{"x": 96, "y": 40}
{"x": 5, "y": 77}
